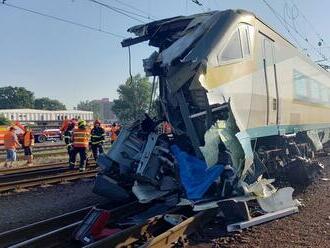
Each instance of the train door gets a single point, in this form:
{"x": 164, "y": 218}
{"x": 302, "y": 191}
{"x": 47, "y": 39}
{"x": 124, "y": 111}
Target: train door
{"x": 269, "y": 68}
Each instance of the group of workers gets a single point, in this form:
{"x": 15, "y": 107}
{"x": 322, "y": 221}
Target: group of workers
{"x": 79, "y": 139}
{"x": 11, "y": 143}
{"x": 77, "y": 136}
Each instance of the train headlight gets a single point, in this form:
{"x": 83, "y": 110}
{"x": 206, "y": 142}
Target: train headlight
{"x": 202, "y": 80}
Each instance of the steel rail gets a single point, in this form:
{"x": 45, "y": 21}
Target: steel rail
{"x": 21, "y": 234}
{"x": 35, "y": 173}
{"x": 62, "y": 235}
{"x": 7, "y": 171}
{"x": 63, "y": 177}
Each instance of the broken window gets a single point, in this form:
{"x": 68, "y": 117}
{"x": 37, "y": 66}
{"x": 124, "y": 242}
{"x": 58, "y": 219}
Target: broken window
{"x": 233, "y": 49}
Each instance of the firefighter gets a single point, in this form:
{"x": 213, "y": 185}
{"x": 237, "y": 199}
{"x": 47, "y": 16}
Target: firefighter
{"x": 68, "y": 138}
{"x": 27, "y": 143}
{"x": 97, "y": 139}
{"x": 80, "y": 142}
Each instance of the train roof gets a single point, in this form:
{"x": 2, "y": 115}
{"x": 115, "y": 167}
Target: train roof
{"x": 177, "y": 23}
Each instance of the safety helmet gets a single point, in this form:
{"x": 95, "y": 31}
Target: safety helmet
{"x": 81, "y": 123}
{"x": 97, "y": 122}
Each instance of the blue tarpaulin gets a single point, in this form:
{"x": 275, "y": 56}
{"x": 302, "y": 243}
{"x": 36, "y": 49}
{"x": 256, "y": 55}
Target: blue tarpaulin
{"x": 196, "y": 177}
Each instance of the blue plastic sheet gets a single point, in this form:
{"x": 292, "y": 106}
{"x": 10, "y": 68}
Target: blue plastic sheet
{"x": 196, "y": 177}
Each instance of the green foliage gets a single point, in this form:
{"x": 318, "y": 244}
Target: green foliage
{"x": 133, "y": 99}
{"x": 19, "y": 97}
{"x": 93, "y": 106}
{"x": 4, "y": 121}
{"x": 16, "y": 97}
{"x": 48, "y": 104}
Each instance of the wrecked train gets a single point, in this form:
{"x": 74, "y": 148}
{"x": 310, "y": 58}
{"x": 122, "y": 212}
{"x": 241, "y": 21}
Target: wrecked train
{"x": 242, "y": 101}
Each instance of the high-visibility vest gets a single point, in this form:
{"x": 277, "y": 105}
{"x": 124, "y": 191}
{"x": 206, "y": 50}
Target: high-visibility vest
{"x": 81, "y": 137}
{"x": 65, "y": 125}
{"x": 114, "y": 135}
{"x": 10, "y": 140}
{"x": 28, "y": 139}
{"x": 3, "y": 131}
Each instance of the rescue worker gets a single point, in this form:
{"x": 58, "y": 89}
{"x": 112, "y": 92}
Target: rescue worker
{"x": 65, "y": 124}
{"x": 80, "y": 142}
{"x": 27, "y": 143}
{"x": 11, "y": 143}
{"x": 97, "y": 139}
{"x": 114, "y": 133}
{"x": 68, "y": 138}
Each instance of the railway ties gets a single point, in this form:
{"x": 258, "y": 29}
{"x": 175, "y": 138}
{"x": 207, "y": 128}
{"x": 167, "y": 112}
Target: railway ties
{"x": 18, "y": 178}
{"x": 151, "y": 232}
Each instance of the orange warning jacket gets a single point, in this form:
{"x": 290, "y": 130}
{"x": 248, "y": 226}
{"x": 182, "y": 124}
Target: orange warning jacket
{"x": 10, "y": 140}
{"x": 65, "y": 125}
{"x": 28, "y": 139}
{"x": 114, "y": 135}
{"x": 80, "y": 137}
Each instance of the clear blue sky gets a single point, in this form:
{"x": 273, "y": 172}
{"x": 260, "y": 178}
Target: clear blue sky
{"x": 69, "y": 63}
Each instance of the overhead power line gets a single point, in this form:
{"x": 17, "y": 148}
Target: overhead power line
{"x": 309, "y": 23}
{"x": 286, "y": 25}
{"x": 152, "y": 17}
{"x": 63, "y": 20}
{"x": 121, "y": 11}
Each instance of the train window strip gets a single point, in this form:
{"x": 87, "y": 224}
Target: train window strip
{"x": 310, "y": 90}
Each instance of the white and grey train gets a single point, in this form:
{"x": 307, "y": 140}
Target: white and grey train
{"x": 236, "y": 93}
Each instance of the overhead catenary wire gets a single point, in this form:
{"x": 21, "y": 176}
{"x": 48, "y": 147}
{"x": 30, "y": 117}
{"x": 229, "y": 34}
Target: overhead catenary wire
{"x": 309, "y": 22}
{"x": 152, "y": 17}
{"x": 286, "y": 25}
{"x": 121, "y": 11}
{"x": 62, "y": 20}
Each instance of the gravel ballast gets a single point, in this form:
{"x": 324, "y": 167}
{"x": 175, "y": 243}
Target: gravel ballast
{"x": 19, "y": 209}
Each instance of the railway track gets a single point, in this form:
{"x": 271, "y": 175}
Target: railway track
{"x": 15, "y": 179}
{"x": 37, "y": 173}
{"x": 151, "y": 232}
{"x": 38, "y": 148}
{"x": 44, "y": 147}
{"x": 38, "y": 153}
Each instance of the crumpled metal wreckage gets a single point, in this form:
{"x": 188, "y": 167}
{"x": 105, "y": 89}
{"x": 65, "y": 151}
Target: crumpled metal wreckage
{"x": 207, "y": 162}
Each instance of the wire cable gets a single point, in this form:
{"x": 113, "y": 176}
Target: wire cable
{"x": 309, "y": 23}
{"x": 63, "y": 20}
{"x": 134, "y": 8}
{"x": 286, "y": 25}
{"x": 120, "y": 11}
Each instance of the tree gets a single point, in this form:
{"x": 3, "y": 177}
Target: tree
{"x": 4, "y": 121}
{"x": 134, "y": 98}
{"x": 16, "y": 97}
{"x": 48, "y": 104}
{"x": 93, "y": 106}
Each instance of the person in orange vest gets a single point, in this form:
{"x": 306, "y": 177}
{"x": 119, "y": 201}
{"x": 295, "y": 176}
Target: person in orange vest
{"x": 11, "y": 143}
{"x": 65, "y": 124}
{"x": 27, "y": 143}
{"x": 80, "y": 143}
{"x": 114, "y": 133}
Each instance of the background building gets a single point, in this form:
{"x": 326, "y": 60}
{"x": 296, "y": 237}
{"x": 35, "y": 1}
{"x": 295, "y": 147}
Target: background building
{"x": 44, "y": 118}
{"x": 106, "y": 113}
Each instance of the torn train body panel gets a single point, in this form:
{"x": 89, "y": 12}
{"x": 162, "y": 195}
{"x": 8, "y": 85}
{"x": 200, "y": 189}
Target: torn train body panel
{"x": 234, "y": 122}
